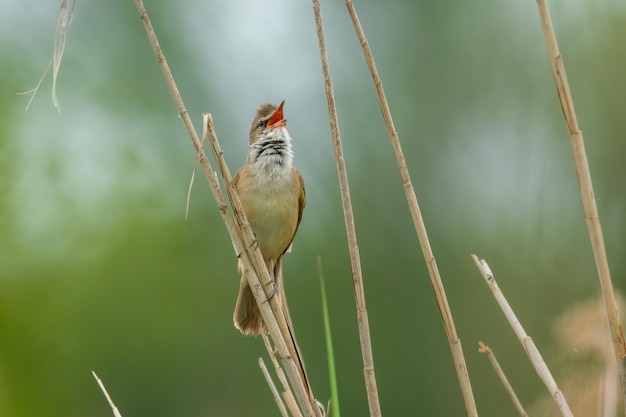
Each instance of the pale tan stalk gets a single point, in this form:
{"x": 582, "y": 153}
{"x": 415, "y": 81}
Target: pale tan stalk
{"x": 275, "y": 394}
{"x": 529, "y": 346}
{"x": 286, "y": 394}
{"x": 116, "y": 412}
{"x": 483, "y": 348}
{"x": 586, "y": 188}
{"x": 418, "y": 221}
{"x": 355, "y": 262}
{"x": 241, "y": 236}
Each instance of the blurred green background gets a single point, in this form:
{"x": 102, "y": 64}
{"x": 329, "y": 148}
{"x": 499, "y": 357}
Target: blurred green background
{"x": 99, "y": 270}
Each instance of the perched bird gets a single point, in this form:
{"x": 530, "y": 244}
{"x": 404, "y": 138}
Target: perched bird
{"x": 272, "y": 194}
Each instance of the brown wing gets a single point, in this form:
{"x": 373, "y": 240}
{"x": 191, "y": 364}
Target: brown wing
{"x": 242, "y": 178}
{"x": 237, "y": 178}
{"x": 301, "y": 204}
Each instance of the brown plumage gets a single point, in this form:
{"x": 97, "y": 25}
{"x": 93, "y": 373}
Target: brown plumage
{"x": 272, "y": 194}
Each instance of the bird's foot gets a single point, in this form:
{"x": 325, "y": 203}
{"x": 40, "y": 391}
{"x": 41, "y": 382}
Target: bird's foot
{"x": 273, "y": 293}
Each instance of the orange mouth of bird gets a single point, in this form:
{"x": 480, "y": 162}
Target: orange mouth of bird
{"x": 277, "y": 120}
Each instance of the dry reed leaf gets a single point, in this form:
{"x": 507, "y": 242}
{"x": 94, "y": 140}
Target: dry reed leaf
{"x": 64, "y": 21}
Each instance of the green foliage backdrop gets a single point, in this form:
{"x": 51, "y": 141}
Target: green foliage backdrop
{"x": 99, "y": 270}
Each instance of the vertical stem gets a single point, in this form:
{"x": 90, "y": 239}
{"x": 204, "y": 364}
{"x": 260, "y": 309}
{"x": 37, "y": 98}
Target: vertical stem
{"x": 418, "y": 221}
{"x": 585, "y": 186}
{"x": 357, "y": 277}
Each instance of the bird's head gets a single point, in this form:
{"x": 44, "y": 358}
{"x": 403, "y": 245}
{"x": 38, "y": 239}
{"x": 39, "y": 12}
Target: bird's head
{"x": 268, "y": 116}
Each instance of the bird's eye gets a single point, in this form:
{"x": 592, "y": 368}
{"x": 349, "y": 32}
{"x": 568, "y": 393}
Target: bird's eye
{"x": 262, "y": 123}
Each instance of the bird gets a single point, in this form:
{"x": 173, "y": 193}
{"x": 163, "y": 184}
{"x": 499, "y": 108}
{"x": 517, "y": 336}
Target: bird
{"x": 273, "y": 197}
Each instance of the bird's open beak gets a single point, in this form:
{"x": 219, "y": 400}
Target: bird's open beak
{"x": 277, "y": 119}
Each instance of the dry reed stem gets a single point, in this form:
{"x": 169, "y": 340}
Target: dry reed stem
{"x": 193, "y": 173}
{"x": 275, "y": 316}
{"x": 63, "y": 23}
{"x": 585, "y": 186}
{"x": 355, "y": 262}
{"x": 275, "y": 394}
{"x": 483, "y": 348}
{"x": 529, "y": 346}
{"x": 241, "y": 236}
{"x": 418, "y": 221}
{"x": 278, "y": 369}
{"x": 116, "y": 412}
{"x": 291, "y": 404}
{"x": 287, "y": 394}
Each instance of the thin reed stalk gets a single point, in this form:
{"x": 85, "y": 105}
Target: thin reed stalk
{"x": 586, "y": 189}
{"x": 418, "y": 221}
{"x": 241, "y": 236}
{"x": 527, "y": 343}
{"x": 483, "y": 348}
{"x": 346, "y": 201}
{"x": 116, "y": 411}
{"x": 287, "y": 395}
{"x": 270, "y": 383}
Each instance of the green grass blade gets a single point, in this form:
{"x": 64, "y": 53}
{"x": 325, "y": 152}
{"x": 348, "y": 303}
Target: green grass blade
{"x": 334, "y": 395}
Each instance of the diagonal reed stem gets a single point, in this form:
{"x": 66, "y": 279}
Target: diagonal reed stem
{"x": 346, "y": 201}
{"x": 241, "y": 236}
{"x": 418, "y": 221}
{"x": 586, "y": 187}
{"x": 116, "y": 411}
{"x": 483, "y": 348}
{"x": 270, "y": 383}
{"x": 529, "y": 346}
